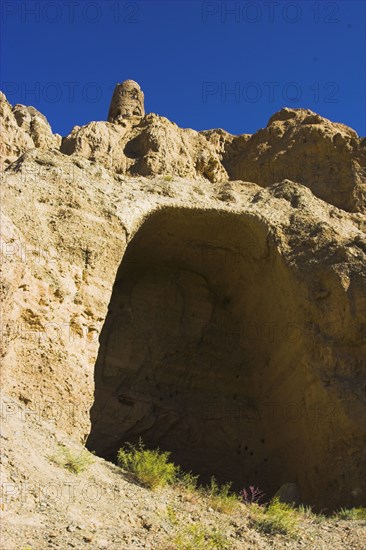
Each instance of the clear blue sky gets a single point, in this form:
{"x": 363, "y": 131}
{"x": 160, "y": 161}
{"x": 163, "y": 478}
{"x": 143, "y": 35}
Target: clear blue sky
{"x": 64, "y": 57}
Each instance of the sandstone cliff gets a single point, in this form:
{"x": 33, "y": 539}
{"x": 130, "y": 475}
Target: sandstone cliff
{"x": 229, "y": 300}
{"x": 297, "y": 144}
{"x": 23, "y": 128}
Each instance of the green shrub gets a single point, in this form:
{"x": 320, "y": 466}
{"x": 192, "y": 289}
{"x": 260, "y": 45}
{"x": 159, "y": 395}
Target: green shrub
{"x": 196, "y": 537}
{"x": 351, "y": 513}
{"x": 150, "y": 467}
{"x": 171, "y": 515}
{"x": 307, "y": 513}
{"x": 277, "y": 517}
{"x": 220, "y": 498}
{"x": 187, "y": 483}
{"x": 186, "y": 480}
{"x": 75, "y": 462}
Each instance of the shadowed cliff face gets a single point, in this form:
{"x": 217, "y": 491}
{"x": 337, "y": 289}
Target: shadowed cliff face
{"x": 202, "y": 354}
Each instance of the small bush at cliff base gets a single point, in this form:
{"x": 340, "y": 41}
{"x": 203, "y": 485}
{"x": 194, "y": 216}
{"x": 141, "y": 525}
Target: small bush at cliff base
{"x": 186, "y": 480}
{"x": 306, "y": 512}
{"x": 276, "y": 518}
{"x": 351, "y": 513}
{"x": 150, "y": 467}
{"x": 75, "y": 462}
{"x": 220, "y": 498}
{"x": 197, "y": 537}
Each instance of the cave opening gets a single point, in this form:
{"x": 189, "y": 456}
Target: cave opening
{"x": 197, "y": 353}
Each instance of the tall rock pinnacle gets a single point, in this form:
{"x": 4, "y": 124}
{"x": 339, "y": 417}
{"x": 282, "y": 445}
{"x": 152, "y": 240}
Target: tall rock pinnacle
{"x": 127, "y": 101}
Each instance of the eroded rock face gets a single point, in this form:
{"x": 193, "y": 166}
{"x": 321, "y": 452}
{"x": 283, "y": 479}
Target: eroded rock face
{"x": 127, "y": 101}
{"x": 100, "y": 142}
{"x": 149, "y": 147}
{"x": 234, "y": 334}
{"x": 21, "y": 129}
{"x": 135, "y": 144}
{"x": 299, "y": 144}
{"x": 214, "y": 348}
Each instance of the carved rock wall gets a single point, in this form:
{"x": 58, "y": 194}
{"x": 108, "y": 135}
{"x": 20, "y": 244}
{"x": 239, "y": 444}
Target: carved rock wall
{"x": 213, "y": 349}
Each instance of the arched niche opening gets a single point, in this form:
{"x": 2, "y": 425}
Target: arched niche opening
{"x": 201, "y": 355}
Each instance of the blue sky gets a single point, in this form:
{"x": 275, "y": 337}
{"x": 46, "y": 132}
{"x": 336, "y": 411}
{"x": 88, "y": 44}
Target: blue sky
{"x": 201, "y": 64}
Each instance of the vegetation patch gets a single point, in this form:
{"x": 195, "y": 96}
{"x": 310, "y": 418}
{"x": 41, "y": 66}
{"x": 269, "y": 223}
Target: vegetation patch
{"x": 198, "y": 537}
{"x": 276, "y": 518}
{"x": 220, "y": 498}
{"x": 150, "y": 467}
{"x": 351, "y": 513}
{"x": 75, "y": 462}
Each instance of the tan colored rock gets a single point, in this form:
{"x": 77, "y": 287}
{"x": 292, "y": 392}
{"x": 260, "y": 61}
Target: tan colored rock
{"x": 127, "y": 101}
{"x": 230, "y": 315}
{"x": 23, "y": 128}
{"x": 100, "y": 142}
{"x": 150, "y": 147}
{"x": 299, "y": 144}
{"x": 13, "y": 139}
{"x": 37, "y": 126}
{"x": 233, "y": 335}
{"x": 144, "y": 145}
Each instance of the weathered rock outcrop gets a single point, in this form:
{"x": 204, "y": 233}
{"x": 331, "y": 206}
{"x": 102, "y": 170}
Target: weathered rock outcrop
{"x": 149, "y": 147}
{"x": 231, "y": 316}
{"x": 127, "y": 101}
{"x": 23, "y": 128}
{"x": 299, "y": 144}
